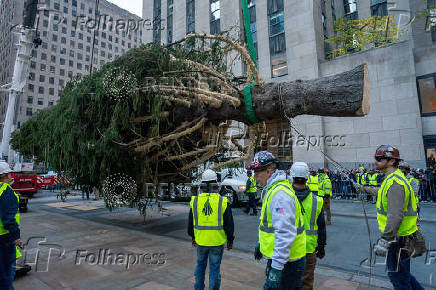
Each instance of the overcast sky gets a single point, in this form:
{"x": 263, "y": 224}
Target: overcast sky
{"x": 134, "y": 6}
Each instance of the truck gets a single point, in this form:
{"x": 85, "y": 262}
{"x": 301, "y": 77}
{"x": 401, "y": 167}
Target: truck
{"x": 232, "y": 184}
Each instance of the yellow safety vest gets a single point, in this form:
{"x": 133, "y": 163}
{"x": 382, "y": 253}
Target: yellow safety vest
{"x": 324, "y": 186}
{"x": 312, "y": 183}
{"x": 253, "y": 188}
{"x": 363, "y": 179}
{"x": 266, "y": 229}
{"x": 408, "y": 225}
{"x": 312, "y": 206}
{"x": 3, "y": 231}
{"x": 208, "y": 212}
{"x": 372, "y": 179}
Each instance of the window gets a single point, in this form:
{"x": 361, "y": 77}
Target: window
{"x": 350, "y": 7}
{"x": 41, "y": 90}
{"x": 63, "y": 40}
{"x": 427, "y": 94}
{"x": 379, "y": 8}
{"x": 62, "y": 61}
{"x": 277, "y": 41}
{"x": 42, "y": 67}
{"x": 62, "y": 71}
{"x": 66, "y": 10}
{"x": 279, "y": 65}
{"x": 72, "y": 53}
{"x": 63, "y": 50}
{"x": 31, "y": 87}
{"x": 71, "y": 63}
{"x": 64, "y": 30}
{"x": 50, "y": 103}
{"x": 28, "y": 111}
{"x": 40, "y": 101}
{"x": 51, "y": 80}
{"x": 43, "y": 56}
{"x": 55, "y": 27}
{"x": 169, "y": 21}
{"x": 41, "y": 78}
{"x": 215, "y": 17}
{"x": 32, "y": 76}
{"x": 45, "y": 23}
{"x": 53, "y": 59}
{"x": 52, "y": 69}
{"x": 33, "y": 64}
{"x": 51, "y": 91}
{"x": 156, "y": 21}
{"x": 54, "y": 38}
{"x": 54, "y": 47}
{"x": 30, "y": 99}
{"x": 190, "y": 16}
{"x": 61, "y": 83}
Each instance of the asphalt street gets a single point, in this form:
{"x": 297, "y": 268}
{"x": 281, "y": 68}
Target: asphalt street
{"x": 347, "y": 238}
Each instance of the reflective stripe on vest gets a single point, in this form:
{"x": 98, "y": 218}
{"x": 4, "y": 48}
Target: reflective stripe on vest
{"x": 208, "y": 221}
{"x": 312, "y": 183}
{"x": 266, "y": 229}
{"x": 3, "y": 187}
{"x": 408, "y": 225}
{"x": 312, "y": 205}
{"x": 253, "y": 187}
{"x": 363, "y": 179}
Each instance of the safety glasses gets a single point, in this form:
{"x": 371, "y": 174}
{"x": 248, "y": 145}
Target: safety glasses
{"x": 379, "y": 158}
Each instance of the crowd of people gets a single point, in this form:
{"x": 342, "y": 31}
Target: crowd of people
{"x": 343, "y": 187}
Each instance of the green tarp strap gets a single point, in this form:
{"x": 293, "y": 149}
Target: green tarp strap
{"x": 248, "y": 34}
{"x": 250, "y": 46}
{"x": 249, "y": 104}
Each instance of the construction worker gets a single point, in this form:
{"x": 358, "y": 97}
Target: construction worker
{"x": 251, "y": 191}
{"x": 414, "y": 183}
{"x": 312, "y": 182}
{"x": 397, "y": 219}
{"x": 363, "y": 177}
{"x": 282, "y": 238}
{"x": 210, "y": 226}
{"x": 314, "y": 222}
{"x": 9, "y": 228}
{"x": 325, "y": 191}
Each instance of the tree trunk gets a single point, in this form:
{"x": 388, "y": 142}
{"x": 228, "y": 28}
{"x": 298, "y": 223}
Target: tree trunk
{"x": 342, "y": 95}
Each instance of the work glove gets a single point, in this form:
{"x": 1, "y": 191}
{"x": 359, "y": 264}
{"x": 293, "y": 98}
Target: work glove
{"x": 194, "y": 244}
{"x": 274, "y": 278}
{"x": 381, "y": 248}
{"x": 257, "y": 254}
{"x": 320, "y": 252}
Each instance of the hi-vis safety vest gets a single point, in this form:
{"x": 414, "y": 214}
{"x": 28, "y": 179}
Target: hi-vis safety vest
{"x": 408, "y": 225}
{"x": 4, "y": 231}
{"x": 208, "y": 212}
{"x": 266, "y": 229}
{"x": 253, "y": 188}
{"x": 363, "y": 179}
{"x": 312, "y": 183}
{"x": 324, "y": 186}
{"x": 312, "y": 206}
{"x": 372, "y": 178}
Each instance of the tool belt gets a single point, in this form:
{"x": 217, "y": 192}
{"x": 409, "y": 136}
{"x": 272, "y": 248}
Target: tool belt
{"x": 414, "y": 244}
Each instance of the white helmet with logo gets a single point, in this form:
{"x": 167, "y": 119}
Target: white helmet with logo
{"x": 4, "y": 167}
{"x": 299, "y": 169}
{"x": 208, "y": 176}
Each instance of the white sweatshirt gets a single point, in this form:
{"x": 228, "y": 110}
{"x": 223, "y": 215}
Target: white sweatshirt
{"x": 282, "y": 208}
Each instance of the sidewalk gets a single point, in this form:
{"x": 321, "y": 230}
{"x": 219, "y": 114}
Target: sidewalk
{"x": 83, "y": 242}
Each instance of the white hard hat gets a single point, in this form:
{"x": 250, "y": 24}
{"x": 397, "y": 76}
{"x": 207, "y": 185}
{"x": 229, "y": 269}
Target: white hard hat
{"x": 299, "y": 169}
{"x": 208, "y": 175}
{"x": 4, "y": 167}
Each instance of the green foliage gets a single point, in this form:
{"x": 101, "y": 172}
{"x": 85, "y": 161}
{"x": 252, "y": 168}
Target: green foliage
{"x": 362, "y": 34}
{"x": 81, "y": 135}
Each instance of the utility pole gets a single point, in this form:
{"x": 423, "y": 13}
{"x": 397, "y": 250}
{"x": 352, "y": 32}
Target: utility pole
{"x": 21, "y": 67}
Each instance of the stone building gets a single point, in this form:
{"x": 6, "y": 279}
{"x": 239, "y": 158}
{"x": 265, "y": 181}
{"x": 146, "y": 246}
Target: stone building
{"x": 66, "y": 28}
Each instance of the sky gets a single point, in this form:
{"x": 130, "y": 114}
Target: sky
{"x": 134, "y": 6}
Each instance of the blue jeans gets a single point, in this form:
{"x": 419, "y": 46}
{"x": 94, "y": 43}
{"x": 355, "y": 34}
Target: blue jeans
{"x": 291, "y": 275}
{"x": 251, "y": 203}
{"x": 215, "y": 255}
{"x": 7, "y": 265}
{"x": 399, "y": 270}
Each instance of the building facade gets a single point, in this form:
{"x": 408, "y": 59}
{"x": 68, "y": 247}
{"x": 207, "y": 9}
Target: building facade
{"x": 290, "y": 35}
{"x": 66, "y": 28}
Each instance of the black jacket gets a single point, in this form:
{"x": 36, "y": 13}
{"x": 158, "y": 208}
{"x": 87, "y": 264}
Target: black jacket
{"x": 228, "y": 224}
{"x": 322, "y": 233}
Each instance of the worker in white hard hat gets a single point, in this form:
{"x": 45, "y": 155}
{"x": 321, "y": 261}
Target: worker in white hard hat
{"x": 9, "y": 228}
{"x": 210, "y": 226}
{"x": 314, "y": 223}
